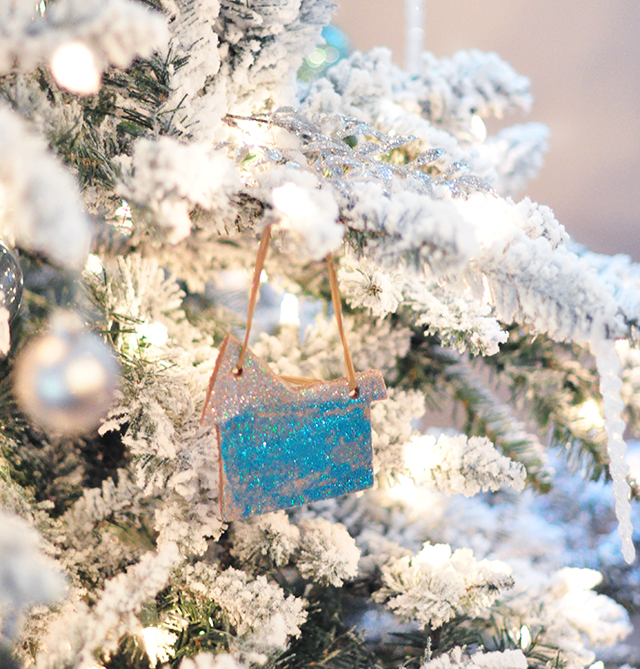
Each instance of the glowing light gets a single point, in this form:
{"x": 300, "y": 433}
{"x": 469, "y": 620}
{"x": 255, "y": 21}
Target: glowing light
{"x": 85, "y": 376}
{"x": 478, "y": 128}
{"x": 576, "y": 579}
{"x": 289, "y": 312}
{"x": 597, "y": 665}
{"x": 93, "y": 264}
{"x": 155, "y": 334}
{"x": 152, "y": 638}
{"x": 405, "y": 490}
{"x": 525, "y": 638}
{"x": 148, "y": 334}
{"x": 419, "y": 457}
{"x": 622, "y": 346}
{"x": 436, "y": 555}
{"x": 591, "y": 415}
{"x": 158, "y": 643}
{"x": 331, "y": 54}
{"x": 256, "y": 137}
{"x": 290, "y": 199}
{"x": 74, "y": 68}
{"x": 317, "y": 57}
{"x": 418, "y": 501}
{"x": 263, "y": 277}
{"x": 486, "y": 213}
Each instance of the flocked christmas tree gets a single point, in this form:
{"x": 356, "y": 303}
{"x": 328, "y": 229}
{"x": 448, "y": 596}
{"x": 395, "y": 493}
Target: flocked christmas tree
{"x": 145, "y": 148}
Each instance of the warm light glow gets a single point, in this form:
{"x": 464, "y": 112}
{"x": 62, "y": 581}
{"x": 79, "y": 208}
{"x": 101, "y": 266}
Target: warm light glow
{"x": 289, "y": 313}
{"x": 155, "y": 334}
{"x": 256, "y": 136}
{"x": 577, "y": 579}
{"x": 148, "y": 334}
{"x": 478, "y": 128}
{"x": 436, "y": 555}
{"x": 405, "y": 490}
{"x": 93, "y": 264}
{"x": 419, "y": 457}
{"x": 52, "y": 351}
{"x": 290, "y": 199}
{"x": 525, "y": 638}
{"x": 317, "y": 57}
{"x": 152, "y": 637}
{"x": 85, "y": 377}
{"x": 486, "y": 213}
{"x": 332, "y": 54}
{"x": 74, "y": 68}
{"x": 591, "y": 415}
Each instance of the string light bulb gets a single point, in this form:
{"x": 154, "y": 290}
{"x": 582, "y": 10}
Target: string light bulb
{"x": 590, "y": 415}
{"x": 478, "y": 128}
{"x": 289, "y": 312}
{"x": 74, "y": 68}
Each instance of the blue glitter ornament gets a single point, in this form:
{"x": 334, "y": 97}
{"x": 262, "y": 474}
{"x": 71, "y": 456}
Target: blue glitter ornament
{"x": 283, "y": 444}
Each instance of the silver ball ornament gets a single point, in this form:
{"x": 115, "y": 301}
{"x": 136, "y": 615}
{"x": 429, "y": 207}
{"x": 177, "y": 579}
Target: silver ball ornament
{"x": 10, "y": 280}
{"x": 66, "y": 379}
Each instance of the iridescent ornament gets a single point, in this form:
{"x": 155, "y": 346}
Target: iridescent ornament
{"x": 10, "y": 280}
{"x": 283, "y": 443}
{"x": 65, "y": 380}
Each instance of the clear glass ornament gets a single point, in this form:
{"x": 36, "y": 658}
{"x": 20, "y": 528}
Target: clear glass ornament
{"x": 65, "y": 380}
{"x": 10, "y": 280}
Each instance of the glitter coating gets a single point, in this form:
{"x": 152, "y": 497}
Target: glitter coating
{"x": 282, "y": 444}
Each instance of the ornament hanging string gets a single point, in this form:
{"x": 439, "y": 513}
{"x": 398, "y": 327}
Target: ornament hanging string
{"x": 253, "y": 297}
{"x": 337, "y": 308}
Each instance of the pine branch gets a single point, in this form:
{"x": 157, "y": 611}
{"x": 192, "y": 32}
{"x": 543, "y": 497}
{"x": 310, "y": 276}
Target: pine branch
{"x": 326, "y": 641}
{"x": 496, "y": 633}
{"x": 553, "y": 381}
{"x": 441, "y": 371}
{"x": 486, "y": 415}
{"x": 130, "y": 655}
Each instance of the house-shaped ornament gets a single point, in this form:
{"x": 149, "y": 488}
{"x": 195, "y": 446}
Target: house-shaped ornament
{"x": 282, "y": 443}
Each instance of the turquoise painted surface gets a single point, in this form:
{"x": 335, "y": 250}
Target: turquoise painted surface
{"x": 275, "y": 460}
